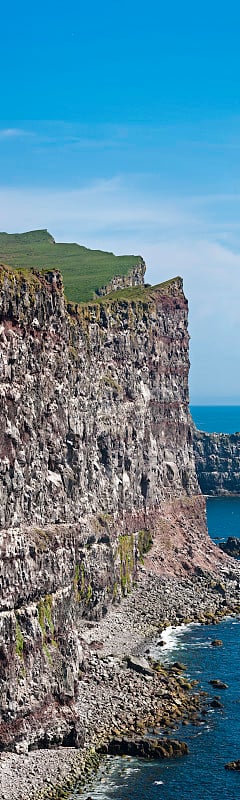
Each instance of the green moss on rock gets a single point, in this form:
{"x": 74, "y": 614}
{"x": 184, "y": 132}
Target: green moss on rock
{"x": 19, "y": 641}
{"x": 127, "y": 561}
{"x": 144, "y": 543}
{"x": 82, "y": 585}
{"x": 44, "y": 608}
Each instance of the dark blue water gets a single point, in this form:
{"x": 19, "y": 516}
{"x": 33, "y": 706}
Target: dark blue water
{"x": 223, "y": 516}
{"x": 223, "y": 513}
{"x": 216, "y": 419}
{"x": 201, "y": 774}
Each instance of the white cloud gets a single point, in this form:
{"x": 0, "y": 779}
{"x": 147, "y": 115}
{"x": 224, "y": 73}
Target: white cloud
{"x": 107, "y": 205}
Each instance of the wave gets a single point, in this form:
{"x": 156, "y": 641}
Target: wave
{"x": 170, "y": 636}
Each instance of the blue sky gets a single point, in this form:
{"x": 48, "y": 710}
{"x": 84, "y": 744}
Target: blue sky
{"x": 120, "y": 129}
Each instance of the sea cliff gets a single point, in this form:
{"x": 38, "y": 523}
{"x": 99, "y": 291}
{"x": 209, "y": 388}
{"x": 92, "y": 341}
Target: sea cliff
{"x": 97, "y": 464}
{"x": 94, "y": 402}
{"x": 217, "y": 457}
{"x": 95, "y": 437}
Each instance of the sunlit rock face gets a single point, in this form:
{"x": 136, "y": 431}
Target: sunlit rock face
{"x": 135, "y": 277}
{"x": 94, "y": 405}
{"x": 95, "y": 436}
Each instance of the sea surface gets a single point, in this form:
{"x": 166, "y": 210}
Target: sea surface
{"x": 223, "y": 513}
{"x": 216, "y": 740}
{"x": 216, "y": 419}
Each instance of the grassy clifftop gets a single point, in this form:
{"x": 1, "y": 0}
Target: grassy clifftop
{"x": 84, "y": 271}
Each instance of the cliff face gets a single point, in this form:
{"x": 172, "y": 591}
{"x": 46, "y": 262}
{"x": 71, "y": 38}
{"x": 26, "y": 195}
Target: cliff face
{"x": 95, "y": 437}
{"x": 218, "y": 462}
{"x": 94, "y": 406}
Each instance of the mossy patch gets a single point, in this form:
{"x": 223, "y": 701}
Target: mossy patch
{"x": 145, "y": 542}
{"x": 44, "y": 608}
{"x": 89, "y": 593}
{"x": 45, "y": 613}
{"x": 110, "y": 382}
{"x": 47, "y": 653}
{"x": 82, "y": 586}
{"x": 127, "y": 561}
{"x": 19, "y": 640}
{"x": 73, "y": 352}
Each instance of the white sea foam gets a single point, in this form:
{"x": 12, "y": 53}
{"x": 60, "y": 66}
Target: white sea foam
{"x": 172, "y": 639}
{"x": 171, "y": 635}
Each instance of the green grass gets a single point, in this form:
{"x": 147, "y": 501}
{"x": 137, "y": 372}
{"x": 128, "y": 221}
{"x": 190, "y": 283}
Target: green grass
{"x": 142, "y": 294}
{"x": 84, "y": 271}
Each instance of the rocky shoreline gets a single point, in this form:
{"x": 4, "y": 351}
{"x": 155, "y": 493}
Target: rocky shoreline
{"x": 115, "y": 700}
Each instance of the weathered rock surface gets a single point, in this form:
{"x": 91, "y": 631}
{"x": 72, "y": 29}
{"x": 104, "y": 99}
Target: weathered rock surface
{"x": 215, "y": 703}
{"x": 94, "y": 403}
{"x": 95, "y": 437}
{"x": 217, "y": 462}
{"x": 218, "y": 684}
{"x": 139, "y": 665}
{"x": 231, "y": 546}
{"x": 181, "y": 544}
{"x": 146, "y": 748}
{"x": 217, "y": 643}
{"x": 96, "y": 460}
{"x": 235, "y": 765}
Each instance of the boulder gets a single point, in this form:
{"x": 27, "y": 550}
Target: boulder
{"x": 231, "y": 546}
{"x": 139, "y": 747}
{"x": 140, "y": 665}
{"x": 233, "y": 765}
{"x": 215, "y": 703}
{"x": 218, "y": 684}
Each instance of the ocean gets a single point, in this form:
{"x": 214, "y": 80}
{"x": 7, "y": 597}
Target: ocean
{"x": 216, "y": 419}
{"x": 216, "y": 740}
{"x": 223, "y": 513}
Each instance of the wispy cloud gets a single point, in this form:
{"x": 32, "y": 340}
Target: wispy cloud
{"x": 106, "y": 205}
{"x": 13, "y": 133}
{"x": 63, "y": 135}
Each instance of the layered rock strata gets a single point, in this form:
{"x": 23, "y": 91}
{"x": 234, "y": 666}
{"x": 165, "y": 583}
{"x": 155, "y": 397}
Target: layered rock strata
{"x": 217, "y": 458}
{"x": 95, "y": 438}
{"x": 94, "y": 403}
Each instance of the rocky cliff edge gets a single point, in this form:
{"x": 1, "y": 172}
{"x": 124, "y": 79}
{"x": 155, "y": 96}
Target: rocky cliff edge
{"x": 95, "y": 440}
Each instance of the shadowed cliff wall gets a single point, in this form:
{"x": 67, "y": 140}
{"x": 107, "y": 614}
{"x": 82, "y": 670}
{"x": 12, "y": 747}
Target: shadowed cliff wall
{"x": 217, "y": 458}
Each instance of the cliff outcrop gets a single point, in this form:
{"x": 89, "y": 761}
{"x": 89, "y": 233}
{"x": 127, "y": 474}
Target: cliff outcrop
{"x": 135, "y": 277}
{"x": 217, "y": 458}
{"x": 85, "y": 272}
{"x": 95, "y": 438}
{"x": 94, "y": 402}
